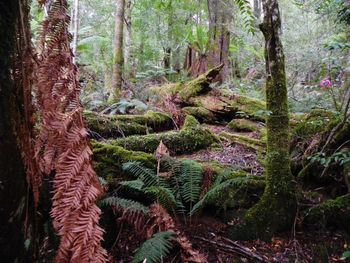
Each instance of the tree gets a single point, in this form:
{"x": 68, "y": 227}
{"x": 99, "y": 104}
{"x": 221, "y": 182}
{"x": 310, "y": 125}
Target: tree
{"x": 276, "y": 210}
{"x": 219, "y": 41}
{"x": 14, "y": 215}
{"x": 75, "y": 28}
{"x": 118, "y": 59}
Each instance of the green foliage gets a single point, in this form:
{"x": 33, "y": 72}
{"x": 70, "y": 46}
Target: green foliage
{"x": 346, "y": 254}
{"x": 247, "y": 14}
{"x": 156, "y": 249}
{"x": 340, "y": 158}
{"x": 181, "y": 191}
{"x": 123, "y": 106}
{"x": 223, "y": 186}
{"x": 126, "y": 204}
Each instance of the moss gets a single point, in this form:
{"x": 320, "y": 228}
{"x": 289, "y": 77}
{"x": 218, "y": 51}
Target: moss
{"x": 243, "y": 196}
{"x": 202, "y": 114}
{"x": 108, "y": 160}
{"x": 331, "y": 212}
{"x": 247, "y": 141}
{"x": 248, "y": 105}
{"x": 125, "y": 125}
{"x": 243, "y": 125}
{"x": 190, "y": 138}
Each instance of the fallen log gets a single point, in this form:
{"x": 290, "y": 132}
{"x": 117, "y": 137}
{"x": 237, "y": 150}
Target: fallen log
{"x": 190, "y": 138}
{"x": 106, "y": 126}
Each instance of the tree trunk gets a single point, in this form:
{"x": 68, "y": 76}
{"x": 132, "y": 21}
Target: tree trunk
{"x": 13, "y": 187}
{"x": 75, "y": 28}
{"x": 257, "y": 9}
{"x": 128, "y": 52}
{"x": 168, "y": 49}
{"x": 276, "y": 210}
{"x": 118, "y": 60}
{"x": 219, "y": 37}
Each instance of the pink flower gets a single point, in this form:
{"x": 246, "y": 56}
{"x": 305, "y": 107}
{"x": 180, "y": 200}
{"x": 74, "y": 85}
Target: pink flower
{"x": 326, "y": 83}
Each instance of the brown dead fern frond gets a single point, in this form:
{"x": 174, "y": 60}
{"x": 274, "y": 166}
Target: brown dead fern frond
{"x": 162, "y": 221}
{"x": 63, "y": 146}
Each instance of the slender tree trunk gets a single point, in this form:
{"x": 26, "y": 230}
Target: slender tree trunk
{"x": 118, "y": 60}
{"x": 75, "y": 29}
{"x": 257, "y": 9}
{"x": 168, "y": 49}
{"x": 128, "y": 53}
{"x": 276, "y": 210}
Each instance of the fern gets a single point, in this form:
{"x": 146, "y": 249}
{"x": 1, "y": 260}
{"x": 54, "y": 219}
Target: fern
{"x": 155, "y": 249}
{"x": 191, "y": 180}
{"x": 125, "y": 204}
{"x": 245, "y": 9}
{"x": 164, "y": 196}
{"x": 218, "y": 188}
{"x": 146, "y": 175}
{"x": 134, "y": 184}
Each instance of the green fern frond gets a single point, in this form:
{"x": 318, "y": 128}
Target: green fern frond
{"x": 134, "y": 184}
{"x": 146, "y": 175}
{"x": 125, "y": 204}
{"x": 155, "y": 249}
{"x": 246, "y": 11}
{"x": 164, "y": 196}
{"x": 218, "y": 189}
{"x": 191, "y": 179}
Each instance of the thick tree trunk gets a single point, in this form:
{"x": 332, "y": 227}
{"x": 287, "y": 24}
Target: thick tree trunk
{"x": 219, "y": 37}
{"x": 75, "y": 28}
{"x": 118, "y": 60}
{"x": 13, "y": 187}
{"x": 276, "y": 210}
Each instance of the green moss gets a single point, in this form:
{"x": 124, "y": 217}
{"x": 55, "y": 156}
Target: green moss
{"x": 331, "y": 212}
{"x": 242, "y": 196}
{"x": 243, "y": 125}
{"x": 202, "y": 114}
{"x": 190, "y": 138}
{"x": 247, "y": 141}
{"x": 125, "y": 125}
{"x": 108, "y": 160}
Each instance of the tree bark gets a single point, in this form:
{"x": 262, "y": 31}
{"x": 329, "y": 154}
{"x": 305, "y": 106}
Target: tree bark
{"x": 118, "y": 59}
{"x": 13, "y": 187}
{"x": 75, "y": 29}
{"x": 219, "y": 37}
{"x": 276, "y": 210}
{"x": 128, "y": 52}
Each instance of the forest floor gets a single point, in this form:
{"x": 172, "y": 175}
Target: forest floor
{"x": 208, "y": 232}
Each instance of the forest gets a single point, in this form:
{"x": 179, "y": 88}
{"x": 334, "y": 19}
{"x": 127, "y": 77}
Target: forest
{"x": 164, "y": 131}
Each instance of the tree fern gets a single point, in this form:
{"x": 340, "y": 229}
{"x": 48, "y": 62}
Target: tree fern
{"x": 125, "y": 204}
{"x": 155, "y": 249}
{"x": 134, "y": 184}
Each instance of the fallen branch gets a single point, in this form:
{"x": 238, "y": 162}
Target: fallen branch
{"x": 235, "y": 248}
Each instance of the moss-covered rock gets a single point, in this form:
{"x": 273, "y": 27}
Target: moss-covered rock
{"x": 190, "y": 138}
{"x": 332, "y": 212}
{"x": 202, "y": 114}
{"x": 108, "y": 160}
{"x": 124, "y": 125}
{"x": 243, "y": 125}
{"x": 247, "y": 141}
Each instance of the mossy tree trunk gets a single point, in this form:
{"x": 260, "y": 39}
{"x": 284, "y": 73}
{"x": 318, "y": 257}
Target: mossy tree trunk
{"x": 13, "y": 187}
{"x": 118, "y": 59}
{"x": 276, "y": 210}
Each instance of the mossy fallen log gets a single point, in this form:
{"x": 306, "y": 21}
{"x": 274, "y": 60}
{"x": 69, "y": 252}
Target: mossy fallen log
{"x": 190, "y": 138}
{"x": 108, "y": 160}
{"x": 201, "y": 114}
{"x": 116, "y": 126}
{"x": 243, "y": 125}
{"x": 334, "y": 212}
{"x": 247, "y": 141}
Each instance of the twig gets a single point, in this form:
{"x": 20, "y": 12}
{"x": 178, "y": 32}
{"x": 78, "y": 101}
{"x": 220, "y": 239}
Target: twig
{"x": 235, "y": 248}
